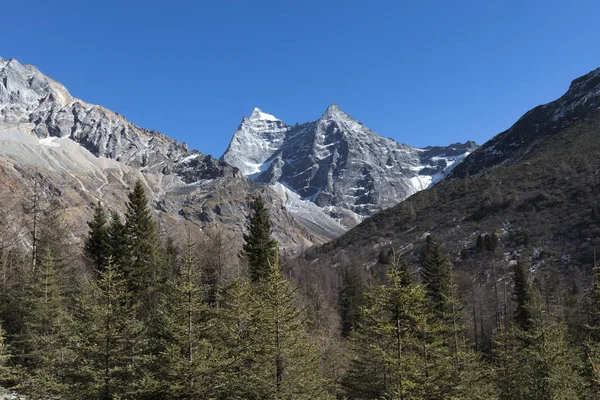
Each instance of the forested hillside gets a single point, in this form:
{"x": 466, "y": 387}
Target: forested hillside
{"x": 137, "y": 315}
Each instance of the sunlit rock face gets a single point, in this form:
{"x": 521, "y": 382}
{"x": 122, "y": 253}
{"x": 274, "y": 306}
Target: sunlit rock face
{"x": 347, "y": 170}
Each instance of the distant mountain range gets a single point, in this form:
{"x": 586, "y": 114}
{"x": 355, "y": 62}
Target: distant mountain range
{"x": 320, "y": 177}
{"x": 84, "y": 153}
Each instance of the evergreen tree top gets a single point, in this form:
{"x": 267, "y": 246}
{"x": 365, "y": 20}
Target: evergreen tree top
{"x": 259, "y": 248}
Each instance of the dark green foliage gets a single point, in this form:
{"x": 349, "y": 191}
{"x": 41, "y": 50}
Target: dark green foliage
{"x": 390, "y": 357}
{"x": 140, "y": 322}
{"x": 107, "y": 338}
{"x": 117, "y": 241}
{"x": 259, "y": 248}
{"x": 191, "y": 362}
{"x": 480, "y": 244}
{"x": 239, "y": 341}
{"x": 436, "y": 275}
{"x": 97, "y": 246}
{"x": 288, "y": 360}
{"x": 350, "y": 300}
{"x": 539, "y": 363}
{"x": 272, "y": 355}
{"x": 8, "y": 373}
{"x": 142, "y": 266}
{"x": 44, "y": 342}
{"x": 522, "y": 296}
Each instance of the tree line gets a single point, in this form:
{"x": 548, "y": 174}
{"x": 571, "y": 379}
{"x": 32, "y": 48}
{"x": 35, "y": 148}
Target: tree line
{"x": 151, "y": 318}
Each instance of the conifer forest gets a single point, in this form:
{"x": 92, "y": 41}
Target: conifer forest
{"x": 136, "y": 314}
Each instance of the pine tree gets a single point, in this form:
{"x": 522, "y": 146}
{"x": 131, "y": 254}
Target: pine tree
{"x": 437, "y": 276}
{"x": 96, "y": 246}
{"x": 8, "y": 373}
{"x": 117, "y": 246}
{"x": 142, "y": 266}
{"x": 389, "y": 349}
{"x": 108, "y": 340}
{"x": 45, "y": 339}
{"x": 539, "y": 362}
{"x": 191, "y": 361}
{"x": 457, "y": 362}
{"x": 522, "y": 296}
{"x": 259, "y": 248}
{"x": 350, "y": 300}
{"x": 272, "y": 355}
{"x": 290, "y": 361}
{"x": 238, "y": 343}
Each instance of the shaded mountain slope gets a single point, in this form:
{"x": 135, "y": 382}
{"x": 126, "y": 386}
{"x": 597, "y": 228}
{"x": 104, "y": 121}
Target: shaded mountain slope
{"x": 541, "y": 198}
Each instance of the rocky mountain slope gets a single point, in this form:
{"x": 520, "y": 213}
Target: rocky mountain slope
{"x": 83, "y": 153}
{"x": 343, "y": 167}
{"x": 538, "y": 124}
{"x": 533, "y": 190}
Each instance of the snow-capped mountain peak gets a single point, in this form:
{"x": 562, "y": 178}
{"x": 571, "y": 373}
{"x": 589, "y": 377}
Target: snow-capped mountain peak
{"x": 334, "y": 112}
{"x": 258, "y": 115}
{"x": 255, "y": 140}
{"x": 336, "y": 162}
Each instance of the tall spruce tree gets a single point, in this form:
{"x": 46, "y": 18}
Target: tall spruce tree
{"x": 238, "y": 343}
{"x": 45, "y": 339}
{"x": 142, "y": 269}
{"x": 117, "y": 245}
{"x": 437, "y": 276}
{"x": 272, "y": 353}
{"x": 350, "y": 300}
{"x": 522, "y": 296}
{"x": 388, "y": 346}
{"x": 108, "y": 340}
{"x": 96, "y": 246}
{"x": 289, "y": 361}
{"x": 538, "y": 362}
{"x": 191, "y": 361}
{"x": 259, "y": 248}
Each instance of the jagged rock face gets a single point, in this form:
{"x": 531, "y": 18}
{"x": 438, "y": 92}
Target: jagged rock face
{"x": 256, "y": 138}
{"x": 535, "y": 126}
{"x": 28, "y": 96}
{"x": 85, "y": 153}
{"x": 339, "y": 164}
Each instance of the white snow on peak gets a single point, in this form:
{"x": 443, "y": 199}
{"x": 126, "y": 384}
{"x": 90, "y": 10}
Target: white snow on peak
{"x": 257, "y": 114}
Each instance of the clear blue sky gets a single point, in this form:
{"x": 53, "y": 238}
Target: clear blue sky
{"x": 422, "y": 72}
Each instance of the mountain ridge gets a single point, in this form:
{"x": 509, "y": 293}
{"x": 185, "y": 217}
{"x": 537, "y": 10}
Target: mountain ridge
{"x": 537, "y": 197}
{"x": 86, "y": 153}
{"x": 582, "y": 96}
{"x": 337, "y": 163}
